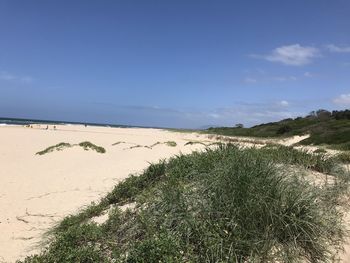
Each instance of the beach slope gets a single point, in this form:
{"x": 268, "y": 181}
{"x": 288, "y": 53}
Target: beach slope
{"x": 36, "y": 191}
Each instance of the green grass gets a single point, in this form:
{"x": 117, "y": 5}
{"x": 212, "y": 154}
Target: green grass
{"x": 206, "y": 144}
{"x": 342, "y": 146}
{"x": 226, "y": 204}
{"x": 330, "y": 137}
{"x": 85, "y": 145}
{"x": 57, "y": 147}
{"x": 344, "y": 157}
{"x": 137, "y": 146}
{"x": 319, "y": 162}
{"x": 320, "y": 150}
{"x": 117, "y": 143}
{"x": 329, "y": 131}
{"x": 90, "y": 146}
{"x": 170, "y": 143}
{"x": 195, "y": 142}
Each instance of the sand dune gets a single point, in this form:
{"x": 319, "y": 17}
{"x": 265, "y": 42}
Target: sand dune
{"x": 36, "y": 191}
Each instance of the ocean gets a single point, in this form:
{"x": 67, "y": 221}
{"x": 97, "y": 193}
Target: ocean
{"x": 18, "y": 121}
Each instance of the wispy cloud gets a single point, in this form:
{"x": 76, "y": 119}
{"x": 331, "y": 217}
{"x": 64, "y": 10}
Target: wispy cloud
{"x": 343, "y": 99}
{"x": 284, "y": 103}
{"x": 284, "y": 78}
{"x": 292, "y": 55}
{"x": 338, "y": 49}
{"x": 308, "y": 74}
{"x": 239, "y": 112}
{"x": 250, "y": 80}
{"x": 255, "y": 78}
{"x": 6, "y": 76}
{"x": 251, "y": 113}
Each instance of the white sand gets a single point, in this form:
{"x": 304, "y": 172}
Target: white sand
{"x": 37, "y": 191}
{"x": 293, "y": 140}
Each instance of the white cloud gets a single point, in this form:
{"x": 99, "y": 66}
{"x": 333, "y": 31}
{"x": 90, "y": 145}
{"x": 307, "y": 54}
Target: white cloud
{"x": 214, "y": 115}
{"x": 239, "y": 112}
{"x": 26, "y": 79}
{"x": 6, "y": 76}
{"x": 292, "y": 55}
{"x": 269, "y": 79}
{"x": 284, "y": 103}
{"x": 250, "y": 80}
{"x": 284, "y": 78}
{"x": 250, "y": 113}
{"x": 343, "y": 99}
{"x": 338, "y": 49}
{"x": 308, "y": 74}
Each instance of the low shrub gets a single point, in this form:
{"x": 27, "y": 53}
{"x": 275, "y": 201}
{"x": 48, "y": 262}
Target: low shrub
{"x": 57, "y": 147}
{"x": 88, "y": 145}
{"x": 226, "y": 204}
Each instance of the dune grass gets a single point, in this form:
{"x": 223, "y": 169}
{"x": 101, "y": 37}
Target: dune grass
{"x": 63, "y": 145}
{"x": 90, "y": 146}
{"x": 194, "y": 142}
{"x": 117, "y": 143}
{"x": 319, "y": 162}
{"x": 342, "y": 146}
{"x": 226, "y": 204}
{"x": 168, "y": 143}
{"x": 344, "y": 157}
{"x": 206, "y": 144}
{"x": 320, "y": 150}
{"x": 332, "y": 130}
{"x": 137, "y": 146}
{"x": 57, "y": 147}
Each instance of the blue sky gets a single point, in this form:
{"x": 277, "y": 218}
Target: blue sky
{"x": 183, "y": 63}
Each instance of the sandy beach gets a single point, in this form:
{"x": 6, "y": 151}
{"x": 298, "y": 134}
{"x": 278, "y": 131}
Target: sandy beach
{"x": 36, "y": 191}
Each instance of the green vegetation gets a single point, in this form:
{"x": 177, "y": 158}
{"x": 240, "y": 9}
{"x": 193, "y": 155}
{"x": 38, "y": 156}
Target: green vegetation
{"x": 329, "y": 128}
{"x": 86, "y": 145}
{"x": 57, "y": 147}
{"x": 320, "y": 150}
{"x": 207, "y": 144}
{"x": 117, "y": 143}
{"x": 137, "y": 146}
{"x": 342, "y": 146}
{"x": 90, "y": 146}
{"x": 344, "y": 157}
{"x": 226, "y": 204}
{"x": 195, "y": 142}
{"x": 170, "y": 143}
{"x": 319, "y": 162}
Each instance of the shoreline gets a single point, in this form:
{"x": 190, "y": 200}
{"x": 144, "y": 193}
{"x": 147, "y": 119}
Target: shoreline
{"x": 21, "y": 122}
